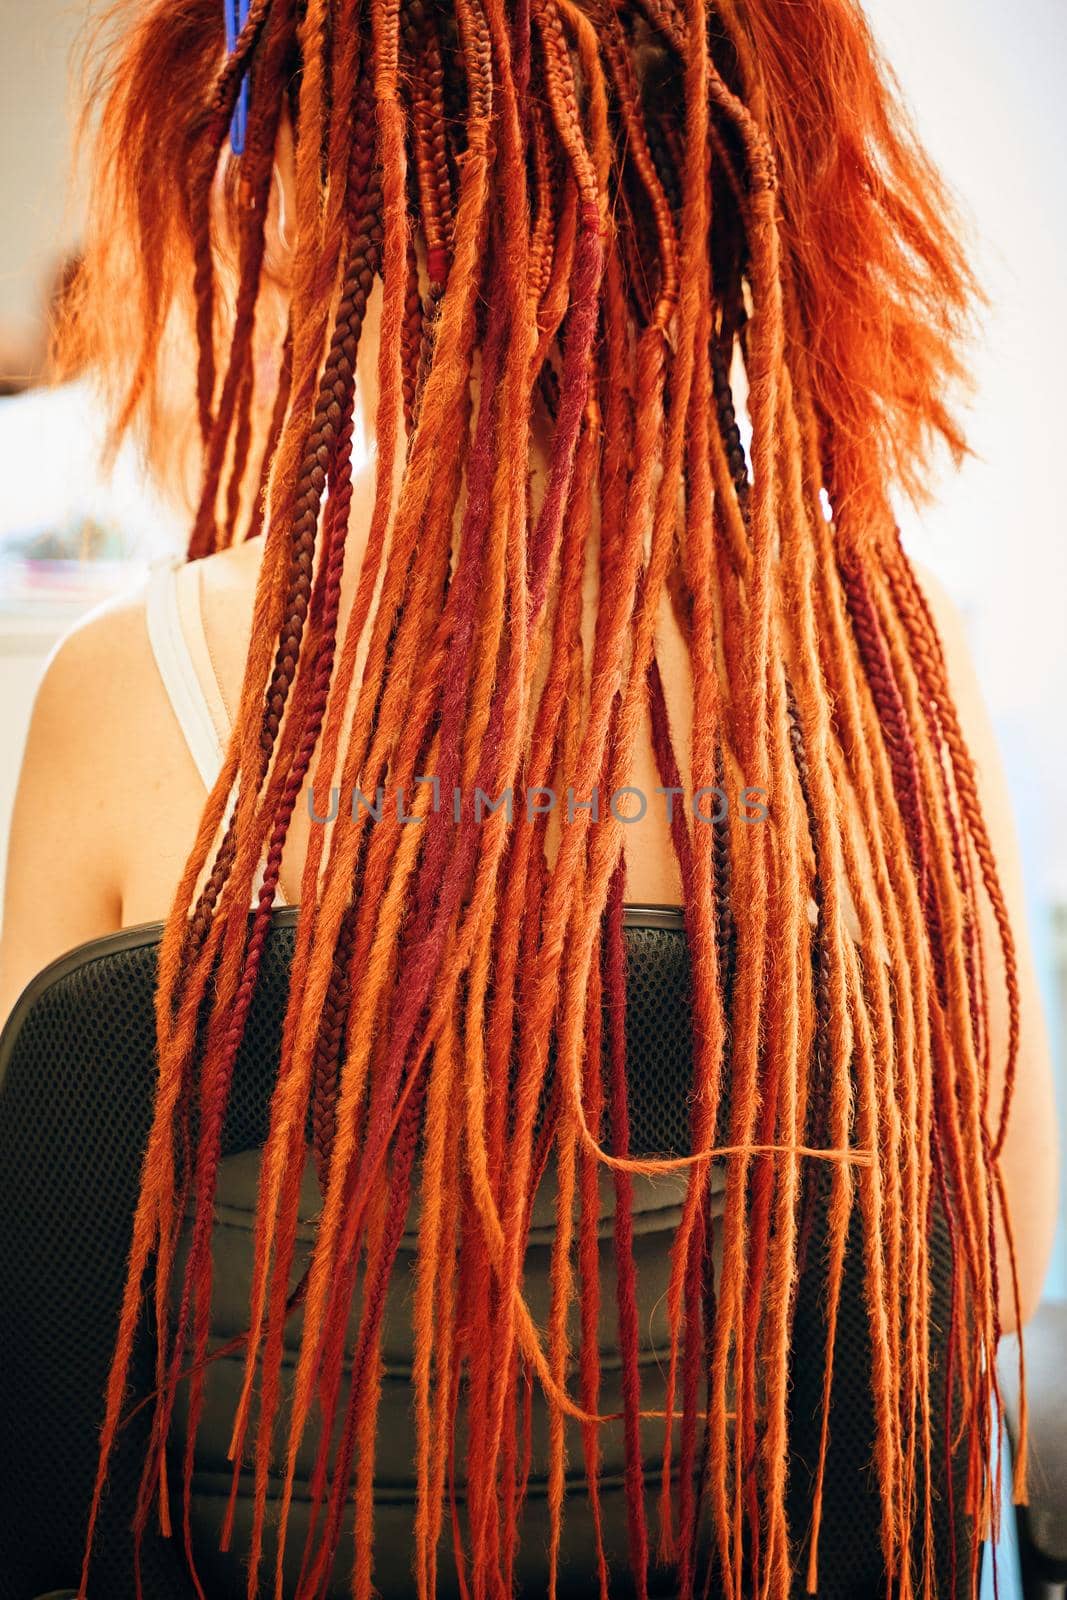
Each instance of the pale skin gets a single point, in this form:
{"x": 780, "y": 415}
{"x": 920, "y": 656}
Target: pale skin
{"x": 109, "y": 800}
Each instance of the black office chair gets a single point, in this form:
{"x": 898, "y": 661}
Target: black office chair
{"x": 76, "y": 1087}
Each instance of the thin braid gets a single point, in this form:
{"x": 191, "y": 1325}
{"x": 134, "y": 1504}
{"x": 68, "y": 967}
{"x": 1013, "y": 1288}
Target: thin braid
{"x": 431, "y": 147}
{"x": 225, "y": 96}
{"x": 320, "y": 442}
{"x": 335, "y": 402}
{"x": 236, "y": 396}
{"x": 895, "y": 730}
{"x": 365, "y": 239}
{"x": 341, "y": 374}
{"x": 274, "y": 433}
{"x": 922, "y": 636}
{"x": 413, "y": 336}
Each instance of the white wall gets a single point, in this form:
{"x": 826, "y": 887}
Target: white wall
{"x": 36, "y": 226}
{"x": 986, "y": 84}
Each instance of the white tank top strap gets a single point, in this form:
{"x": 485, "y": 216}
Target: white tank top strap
{"x": 190, "y": 587}
{"x": 177, "y": 668}
{"x": 169, "y": 624}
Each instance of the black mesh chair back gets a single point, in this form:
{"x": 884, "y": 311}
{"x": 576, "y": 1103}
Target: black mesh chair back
{"x": 76, "y": 1091}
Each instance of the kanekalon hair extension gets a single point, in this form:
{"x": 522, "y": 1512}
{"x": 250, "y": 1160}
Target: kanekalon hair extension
{"x": 586, "y": 220}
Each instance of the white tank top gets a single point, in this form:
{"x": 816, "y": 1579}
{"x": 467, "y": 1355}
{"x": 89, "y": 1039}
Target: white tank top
{"x": 179, "y": 646}
{"x": 168, "y": 636}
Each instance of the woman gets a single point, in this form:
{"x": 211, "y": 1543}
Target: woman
{"x": 537, "y": 251}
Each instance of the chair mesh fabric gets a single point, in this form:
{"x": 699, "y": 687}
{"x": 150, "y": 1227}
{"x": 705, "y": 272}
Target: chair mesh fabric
{"x": 75, "y": 1109}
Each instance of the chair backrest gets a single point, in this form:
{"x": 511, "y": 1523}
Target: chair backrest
{"x": 76, "y": 1089}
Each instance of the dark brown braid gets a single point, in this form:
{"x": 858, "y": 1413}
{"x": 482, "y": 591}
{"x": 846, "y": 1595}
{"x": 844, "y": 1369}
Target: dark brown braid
{"x": 337, "y": 376}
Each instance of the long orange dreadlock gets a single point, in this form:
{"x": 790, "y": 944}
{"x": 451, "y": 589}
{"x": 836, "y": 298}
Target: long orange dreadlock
{"x": 611, "y": 207}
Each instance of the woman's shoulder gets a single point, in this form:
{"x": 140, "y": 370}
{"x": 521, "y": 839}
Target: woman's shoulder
{"x": 100, "y": 657}
{"x": 103, "y": 683}
{"x": 88, "y": 724}
{"x": 234, "y": 568}
{"x": 110, "y": 643}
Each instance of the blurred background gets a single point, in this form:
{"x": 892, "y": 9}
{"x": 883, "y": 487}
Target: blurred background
{"x": 986, "y": 92}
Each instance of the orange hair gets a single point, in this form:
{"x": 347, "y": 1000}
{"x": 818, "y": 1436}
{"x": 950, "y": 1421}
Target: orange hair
{"x": 614, "y": 208}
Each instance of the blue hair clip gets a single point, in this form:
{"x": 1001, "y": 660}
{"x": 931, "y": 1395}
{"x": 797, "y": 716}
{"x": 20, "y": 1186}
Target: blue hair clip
{"x": 236, "y": 12}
